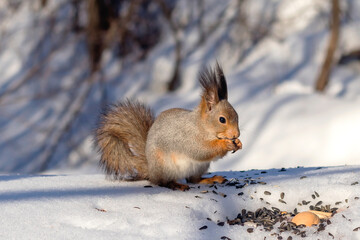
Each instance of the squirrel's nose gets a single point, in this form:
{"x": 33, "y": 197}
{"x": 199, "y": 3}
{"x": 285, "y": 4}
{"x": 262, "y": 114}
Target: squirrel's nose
{"x": 236, "y": 134}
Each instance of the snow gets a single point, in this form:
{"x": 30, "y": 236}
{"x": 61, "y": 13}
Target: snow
{"x": 57, "y": 206}
{"x": 283, "y": 123}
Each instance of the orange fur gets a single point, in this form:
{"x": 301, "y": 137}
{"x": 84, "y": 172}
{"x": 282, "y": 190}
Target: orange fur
{"x": 214, "y": 179}
{"x": 173, "y": 158}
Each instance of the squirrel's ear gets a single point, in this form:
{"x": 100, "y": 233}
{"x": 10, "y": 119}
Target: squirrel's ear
{"x": 214, "y": 86}
{"x": 221, "y": 82}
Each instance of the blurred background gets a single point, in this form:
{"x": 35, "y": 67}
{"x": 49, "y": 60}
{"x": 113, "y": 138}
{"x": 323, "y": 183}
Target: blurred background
{"x": 292, "y": 68}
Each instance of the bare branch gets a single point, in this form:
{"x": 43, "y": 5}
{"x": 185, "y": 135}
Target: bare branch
{"x": 324, "y": 75}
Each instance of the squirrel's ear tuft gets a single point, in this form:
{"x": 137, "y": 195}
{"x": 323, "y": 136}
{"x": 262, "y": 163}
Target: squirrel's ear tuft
{"x": 214, "y": 85}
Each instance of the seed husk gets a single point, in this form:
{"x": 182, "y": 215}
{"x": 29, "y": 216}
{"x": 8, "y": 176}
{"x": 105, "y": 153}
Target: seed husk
{"x": 282, "y": 201}
{"x": 356, "y": 229}
{"x": 267, "y": 193}
{"x": 282, "y": 195}
{"x": 250, "y": 230}
{"x": 221, "y": 224}
{"x": 317, "y": 195}
{"x": 354, "y": 183}
{"x": 203, "y": 227}
{"x": 225, "y": 238}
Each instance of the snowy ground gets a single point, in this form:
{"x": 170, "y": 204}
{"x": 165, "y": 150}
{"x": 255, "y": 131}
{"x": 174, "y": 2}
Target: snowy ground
{"x": 91, "y": 207}
{"x": 283, "y": 122}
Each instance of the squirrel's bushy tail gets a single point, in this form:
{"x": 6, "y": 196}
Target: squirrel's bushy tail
{"x": 121, "y": 139}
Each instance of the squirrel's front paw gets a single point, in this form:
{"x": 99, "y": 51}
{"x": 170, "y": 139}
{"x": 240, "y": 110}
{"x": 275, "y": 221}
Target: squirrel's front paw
{"x": 233, "y": 145}
{"x": 237, "y": 143}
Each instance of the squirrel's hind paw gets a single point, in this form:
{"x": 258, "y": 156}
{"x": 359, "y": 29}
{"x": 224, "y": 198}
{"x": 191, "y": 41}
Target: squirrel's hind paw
{"x": 176, "y": 186}
{"x": 212, "y": 180}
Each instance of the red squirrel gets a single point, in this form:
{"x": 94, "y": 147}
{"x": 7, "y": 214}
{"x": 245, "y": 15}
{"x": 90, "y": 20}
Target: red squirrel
{"x": 178, "y": 144}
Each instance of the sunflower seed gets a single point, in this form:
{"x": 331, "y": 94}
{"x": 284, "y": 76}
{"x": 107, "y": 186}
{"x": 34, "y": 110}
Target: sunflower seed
{"x": 225, "y": 238}
{"x": 302, "y": 177}
{"x": 282, "y": 195}
{"x": 250, "y": 230}
{"x": 203, "y": 227}
{"x": 317, "y": 195}
{"x": 267, "y": 193}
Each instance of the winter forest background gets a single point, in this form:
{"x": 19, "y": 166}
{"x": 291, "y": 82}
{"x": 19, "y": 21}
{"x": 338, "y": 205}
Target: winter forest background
{"x": 292, "y": 68}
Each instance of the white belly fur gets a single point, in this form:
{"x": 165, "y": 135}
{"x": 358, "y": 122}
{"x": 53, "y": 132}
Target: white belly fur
{"x": 186, "y": 167}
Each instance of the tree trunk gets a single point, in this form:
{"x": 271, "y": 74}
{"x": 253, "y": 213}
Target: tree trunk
{"x": 324, "y": 75}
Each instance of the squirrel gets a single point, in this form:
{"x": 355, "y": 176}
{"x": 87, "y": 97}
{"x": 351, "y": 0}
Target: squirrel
{"x": 178, "y": 144}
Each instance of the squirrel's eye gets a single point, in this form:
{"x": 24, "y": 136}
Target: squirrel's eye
{"x": 222, "y": 120}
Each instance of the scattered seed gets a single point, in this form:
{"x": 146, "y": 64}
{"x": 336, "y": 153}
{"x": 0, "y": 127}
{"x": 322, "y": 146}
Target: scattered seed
{"x": 213, "y": 199}
{"x": 282, "y": 170}
{"x": 209, "y": 219}
{"x": 356, "y": 198}
{"x": 282, "y": 201}
{"x": 267, "y": 193}
{"x": 331, "y": 235}
{"x": 250, "y": 230}
{"x": 282, "y": 195}
{"x": 240, "y": 193}
{"x": 225, "y": 238}
{"x": 289, "y": 238}
{"x": 137, "y": 207}
{"x": 262, "y": 183}
{"x": 101, "y": 210}
{"x": 346, "y": 200}
{"x": 303, "y": 177}
{"x": 317, "y": 195}
{"x": 337, "y": 203}
{"x": 221, "y": 224}
{"x": 354, "y": 183}
{"x": 205, "y": 191}
{"x": 263, "y": 172}
{"x": 222, "y": 194}
{"x": 197, "y": 196}
{"x": 318, "y": 203}
{"x": 214, "y": 192}
{"x": 148, "y": 186}
{"x": 356, "y": 229}
{"x": 313, "y": 196}
{"x": 203, "y": 227}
